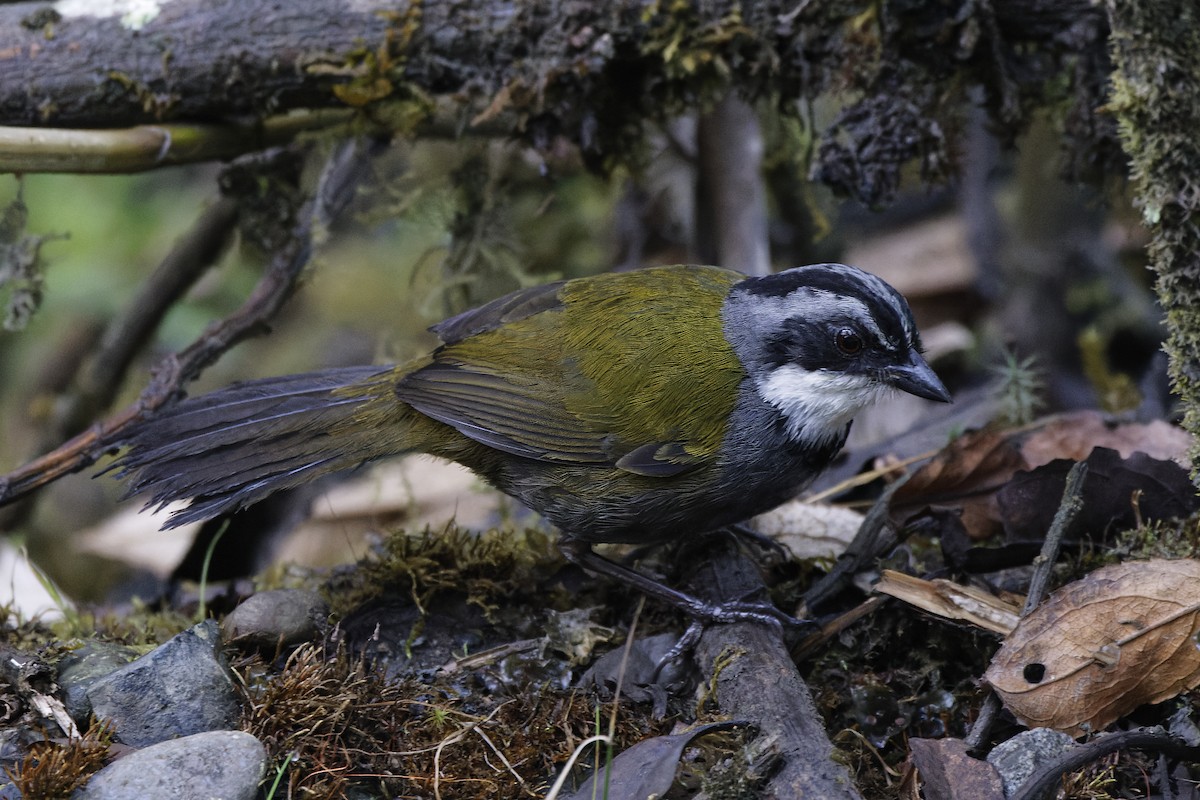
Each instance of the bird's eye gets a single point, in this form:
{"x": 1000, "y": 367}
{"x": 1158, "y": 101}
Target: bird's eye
{"x": 849, "y": 342}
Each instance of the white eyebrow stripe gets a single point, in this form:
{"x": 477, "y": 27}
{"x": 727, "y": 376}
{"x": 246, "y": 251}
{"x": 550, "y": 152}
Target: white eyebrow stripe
{"x": 852, "y": 308}
{"x": 822, "y": 305}
{"x": 885, "y": 290}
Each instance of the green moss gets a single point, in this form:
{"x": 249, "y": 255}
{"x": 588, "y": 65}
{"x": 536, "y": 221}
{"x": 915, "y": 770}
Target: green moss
{"x": 1159, "y": 539}
{"x": 138, "y": 626}
{"x": 488, "y": 568}
{"x": 377, "y": 74}
{"x": 1155, "y": 45}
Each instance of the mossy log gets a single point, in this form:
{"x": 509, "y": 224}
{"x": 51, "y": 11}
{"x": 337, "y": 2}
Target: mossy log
{"x": 591, "y": 73}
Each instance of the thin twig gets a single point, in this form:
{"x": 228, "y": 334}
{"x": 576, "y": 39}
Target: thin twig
{"x": 1072, "y": 502}
{"x": 507, "y": 765}
{"x": 96, "y": 376}
{"x": 453, "y": 738}
{"x": 175, "y": 371}
{"x": 629, "y": 639}
{"x": 146, "y": 147}
{"x": 1068, "y": 508}
{"x": 863, "y": 478}
{"x": 1048, "y": 777}
{"x": 191, "y": 256}
{"x": 874, "y": 539}
{"x": 832, "y": 627}
{"x": 982, "y": 727}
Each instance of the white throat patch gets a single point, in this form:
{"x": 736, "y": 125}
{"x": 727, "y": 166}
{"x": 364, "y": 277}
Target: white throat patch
{"x": 818, "y": 403}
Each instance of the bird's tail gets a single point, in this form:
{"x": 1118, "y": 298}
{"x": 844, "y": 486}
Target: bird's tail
{"x": 235, "y": 446}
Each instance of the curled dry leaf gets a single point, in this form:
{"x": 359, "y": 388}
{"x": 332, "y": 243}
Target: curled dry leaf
{"x": 1074, "y": 435}
{"x": 1102, "y": 646}
{"x": 965, "y": 476}
{"x": 951, "y": 600}
{"x": 966, "y": 473}
{"x": 810, "y": 530}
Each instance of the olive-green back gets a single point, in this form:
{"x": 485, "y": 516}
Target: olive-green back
{"x": 625, "y": 369}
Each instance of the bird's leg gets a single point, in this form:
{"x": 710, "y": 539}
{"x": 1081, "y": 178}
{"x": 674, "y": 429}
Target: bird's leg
{"x": 581, "y": 554}
{"x": 683, "y": 646}
{"x": 761, "y": 540}
{"x": 741, "y": 530}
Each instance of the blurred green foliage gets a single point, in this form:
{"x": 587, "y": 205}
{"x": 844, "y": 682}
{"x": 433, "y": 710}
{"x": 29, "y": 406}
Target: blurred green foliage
{"x": 438, "y": 227}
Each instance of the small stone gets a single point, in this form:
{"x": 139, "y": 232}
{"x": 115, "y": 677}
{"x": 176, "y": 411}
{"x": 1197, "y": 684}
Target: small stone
{"x": 275, "y": 619}
{"x": 225, "y": 764}
{"x": 82, "y": 667}
{"x": 1019, "y": 757}
{"x": 180, "y": 688}
{"x": 14, "y": 746}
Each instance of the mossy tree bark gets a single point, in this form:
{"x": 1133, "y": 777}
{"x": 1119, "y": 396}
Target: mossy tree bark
{"x": 1156, "y": 95}
{"x": 591, "y": 73}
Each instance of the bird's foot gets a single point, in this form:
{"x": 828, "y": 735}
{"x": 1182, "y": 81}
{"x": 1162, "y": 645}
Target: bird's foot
{"x": 761, "y": 611}
{"x": 723, "y": 613}
{"x": 580, "y": 553}
{"x": 682, "y": 648}
{"x": 761, "y": 540}
{"x": 702, "y": 612}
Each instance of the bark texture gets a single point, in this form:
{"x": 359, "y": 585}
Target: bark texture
{"x": 1156, "y": 94}
{"x": 754, "y": 678}
{"x": 594, "y": 73}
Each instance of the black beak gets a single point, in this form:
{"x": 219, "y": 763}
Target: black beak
{"x": 917, "y": 377}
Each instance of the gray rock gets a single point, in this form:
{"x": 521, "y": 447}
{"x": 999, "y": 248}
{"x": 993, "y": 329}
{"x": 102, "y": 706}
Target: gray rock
{"x": 1019, "y": 757}
{"x": 15, "y": 742}
{"x": 275, "y": 619}
{"x": 177, "y": 689}
{"x": 14, "y": 747}
{"x": 81, "y": 668}
{"x": 217, "y": 764}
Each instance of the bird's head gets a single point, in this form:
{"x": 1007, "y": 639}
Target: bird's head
{"x": 822, "y": 342}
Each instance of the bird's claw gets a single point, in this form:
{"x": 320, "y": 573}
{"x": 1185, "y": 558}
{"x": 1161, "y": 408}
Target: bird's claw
{"x": 705, "y": 614}
{"x": 684, "y": 645}
{"x": 764, "y": 613}
{"x": 744, "y": 610}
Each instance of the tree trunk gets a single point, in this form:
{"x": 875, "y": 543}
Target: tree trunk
{"x": 1155, "y": 46}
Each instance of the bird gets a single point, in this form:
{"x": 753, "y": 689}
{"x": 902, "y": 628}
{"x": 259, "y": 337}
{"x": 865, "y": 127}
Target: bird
{"x": 626, "y": 407}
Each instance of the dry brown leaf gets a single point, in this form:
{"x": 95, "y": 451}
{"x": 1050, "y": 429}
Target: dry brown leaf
{"x": 975, "y": 462}
{"x": 1118, "y": 494}
{"x": 966, "y": 473}
{"x": 1102, "y": 646}
{"x": 1074, "y": 435}
{"x": 964, "y": 476}
{"x": 951, "y": 600}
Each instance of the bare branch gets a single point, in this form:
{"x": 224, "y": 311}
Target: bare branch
{"x": 174, "y": 372}
{"x": 145, "y": 147}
